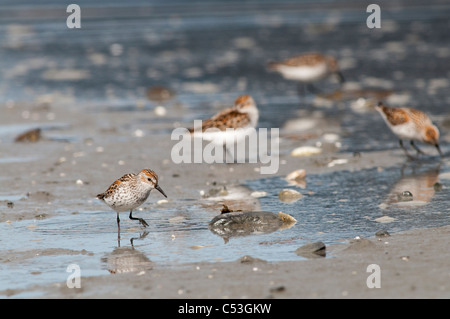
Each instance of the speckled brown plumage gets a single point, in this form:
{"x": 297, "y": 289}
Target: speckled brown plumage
{"x": 130, "y": 191}
{"x": 243, "y": 114}
{"x": 410, "y": 124}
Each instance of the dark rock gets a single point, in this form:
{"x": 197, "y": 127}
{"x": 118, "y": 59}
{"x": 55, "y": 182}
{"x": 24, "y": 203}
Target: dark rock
{"x": 437, "y": 186}
{"x": 311, "y": 250}
{"x": 29, "y": 136}
{"x": 250, "y": 260}
{"x": 358, "y": 245}
{"x": 159, "y": 93}
{"x": 277, "y": 289}
{"x": 236, "y": 223}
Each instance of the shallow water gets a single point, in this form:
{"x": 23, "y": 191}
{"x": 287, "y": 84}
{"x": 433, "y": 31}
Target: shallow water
{"x": 208, "y": 55}
{"x": 211, "y": 53}
{"x": 335, "y": 206}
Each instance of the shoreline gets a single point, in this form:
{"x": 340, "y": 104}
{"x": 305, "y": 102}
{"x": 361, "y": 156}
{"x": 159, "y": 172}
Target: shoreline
{"x": 413, "y": 264}
{"x": 81, "y": 108}
{"x": 87, "y": 165}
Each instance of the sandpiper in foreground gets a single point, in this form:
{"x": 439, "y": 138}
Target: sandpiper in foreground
{"x": 130, "y": 191}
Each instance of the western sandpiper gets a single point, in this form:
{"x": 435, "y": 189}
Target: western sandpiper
{"x": 131, "y": 191}
{"x": 230, "y": 125}
{"x": 410, "y": 124}
{"x": 307, "y": 68}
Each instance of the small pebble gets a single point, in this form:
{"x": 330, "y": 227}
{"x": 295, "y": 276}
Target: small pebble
{"x": 296, "y": 175}
{"x": 437, "y": 186}
{"x": 139, "y": 133}
{"x": 277, "y": 289}
{"x": 405, "y": 196}
{"x": 382, "y": 233}
{"x": 160, "y": 110}
{"x": 258, "y": 194}
{"x": 339, "y": 161}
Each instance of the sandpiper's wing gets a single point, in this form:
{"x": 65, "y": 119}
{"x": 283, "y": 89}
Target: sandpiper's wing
{"x": 223, "y": 113}
{"x": 111, "y": 189}
{"x": 418, "y": 117}
{"x": 395, "y": 116}
{"x": 309, "y": 59}
{"x": 231, "y": 119}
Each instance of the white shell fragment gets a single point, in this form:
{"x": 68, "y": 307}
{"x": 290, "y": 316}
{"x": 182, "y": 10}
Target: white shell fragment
{"x": 289, "y": 195}
{"x": 384, "y": 219}
{"x": 296, "y": 175}
{"x": 306, "y": 151}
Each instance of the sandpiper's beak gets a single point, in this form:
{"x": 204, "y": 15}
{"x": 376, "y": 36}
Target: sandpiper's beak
{"x": 161, "y": 191}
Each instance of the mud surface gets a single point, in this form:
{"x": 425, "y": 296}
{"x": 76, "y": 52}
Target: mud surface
{"x": 103, "y": 100}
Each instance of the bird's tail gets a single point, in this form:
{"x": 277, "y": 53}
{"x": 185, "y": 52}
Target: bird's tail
{"x": 272, "y": 65}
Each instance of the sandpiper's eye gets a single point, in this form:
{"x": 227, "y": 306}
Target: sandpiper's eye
{"x": 149, "y": 179}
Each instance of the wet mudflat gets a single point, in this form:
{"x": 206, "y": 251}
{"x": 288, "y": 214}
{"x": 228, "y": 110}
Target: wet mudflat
{"x": 91, "y": 92}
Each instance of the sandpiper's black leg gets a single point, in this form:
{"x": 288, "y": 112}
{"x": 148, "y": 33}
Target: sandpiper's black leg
{"x": 419, "y": 151}
{"x": 225, "y": 152}
{"x": 312, "y": 88}
{"x": 406, "y": 151}
{"x": 142, "y": 221}
{"x": 301, "y": 89}
{"x": 402, "y": 146}
{"x": 439, "y": 150}
{"x": 229, "y": 155}
{"x": 340, "y": 78}
{"x": 118, "y": 230}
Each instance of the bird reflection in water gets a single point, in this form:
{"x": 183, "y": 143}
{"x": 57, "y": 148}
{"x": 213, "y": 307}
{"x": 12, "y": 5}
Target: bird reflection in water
{"x": 413, "y": 189}
{"x": 127, "y": 259}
